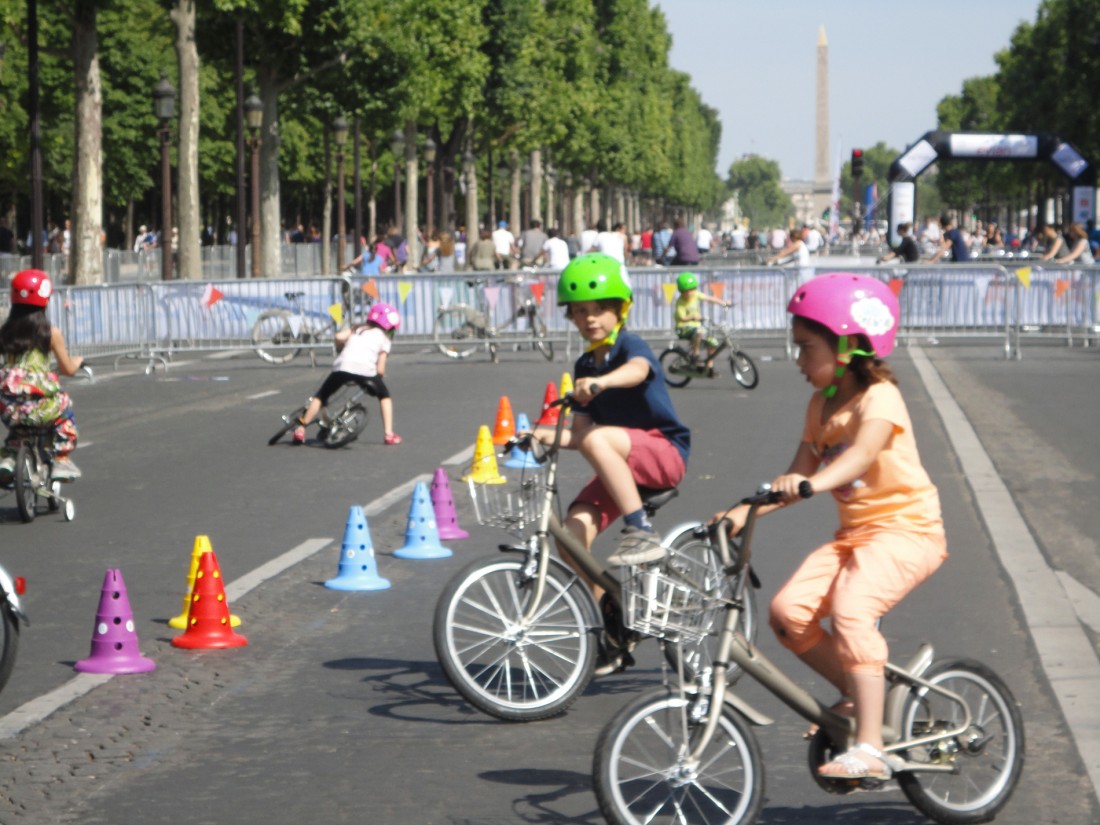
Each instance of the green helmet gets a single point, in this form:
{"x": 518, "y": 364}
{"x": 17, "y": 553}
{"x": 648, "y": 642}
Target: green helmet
{"x": 593, "y": 277}
{"x": 686, "y": 281}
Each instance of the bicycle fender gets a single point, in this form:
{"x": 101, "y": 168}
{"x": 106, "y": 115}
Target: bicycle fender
{"x": 7, "y": 587}
{"x": 748, "y": 711}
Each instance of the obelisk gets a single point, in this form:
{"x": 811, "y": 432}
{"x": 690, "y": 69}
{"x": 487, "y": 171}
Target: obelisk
{"x": 823, "y": 185}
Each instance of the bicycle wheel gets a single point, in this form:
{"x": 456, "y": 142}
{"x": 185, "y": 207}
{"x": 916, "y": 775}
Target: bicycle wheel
{"x": 456, "y": 335}
{"x": 270, "y": 335}
{"x": 9, "y": 643}
{"x": 693, "y": 557}
{"x": 987, "y": 758}
{"x": 345, "y": 426}
{"x": 510, "y": 669}
{"x": 539, "y": 332}
{"x": 642, "y": 773}
{"x": 289, "y": 423}
{"x": 26, "y": 481}
{"x": 676, "y": 366}
{"x": 743, "y": 369}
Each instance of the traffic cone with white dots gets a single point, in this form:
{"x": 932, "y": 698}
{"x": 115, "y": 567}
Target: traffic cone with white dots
{"x": 114, "y": 640}
{"x": 358, "y": 569}
{"x": 422, "y": 534}
{"x": 484, "y": 469}
{"x": 505, "y": 427}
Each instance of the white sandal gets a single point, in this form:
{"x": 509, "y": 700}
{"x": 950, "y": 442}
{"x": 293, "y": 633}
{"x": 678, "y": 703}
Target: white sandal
{"x": 852, "y": 765}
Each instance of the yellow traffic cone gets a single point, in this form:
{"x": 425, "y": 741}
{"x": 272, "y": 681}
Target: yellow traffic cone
{"x": 202, "y": 545}
{"x": 566, "y": 384}
{"x": 484, "y": 469}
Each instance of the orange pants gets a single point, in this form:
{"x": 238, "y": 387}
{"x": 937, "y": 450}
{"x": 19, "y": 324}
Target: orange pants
{"x": 854, "y": 580}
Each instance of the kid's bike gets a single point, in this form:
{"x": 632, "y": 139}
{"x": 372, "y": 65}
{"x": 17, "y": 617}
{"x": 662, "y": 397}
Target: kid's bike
{"x": 278, "y": 335}
{"x": 460, "y": 329}
{"x": 686, "y": 753}
{"x": 517, "y": 633}
{"x": 680, "y": 366}
{"x": 339, "y": 423}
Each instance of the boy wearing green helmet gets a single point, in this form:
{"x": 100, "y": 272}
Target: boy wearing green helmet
{"x": 689, "y": 317}
{"x": 624, "y": 423}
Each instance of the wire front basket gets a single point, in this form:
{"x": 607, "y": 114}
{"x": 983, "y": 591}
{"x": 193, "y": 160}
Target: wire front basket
{"x": 511, "y": 504}
{"x": 659, "y": 602}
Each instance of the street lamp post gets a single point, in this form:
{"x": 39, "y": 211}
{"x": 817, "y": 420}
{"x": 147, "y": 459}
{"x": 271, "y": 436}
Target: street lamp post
{"x": 254, "y": 116}
{"x": 429, "y": 162}
{"x": 504, "y": 171}
{"x": 397, "y": 146}
{"x": 340, "y": 136}
{"x": 357, "y": 186}
{"x": 164, "y": 105}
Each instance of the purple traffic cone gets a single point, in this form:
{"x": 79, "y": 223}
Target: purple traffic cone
{"x": 114, "y": 641}
{"x": 443, "y": 503}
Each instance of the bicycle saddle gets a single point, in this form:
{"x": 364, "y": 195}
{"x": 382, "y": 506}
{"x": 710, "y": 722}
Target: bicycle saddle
{"x": 654, "y": 500}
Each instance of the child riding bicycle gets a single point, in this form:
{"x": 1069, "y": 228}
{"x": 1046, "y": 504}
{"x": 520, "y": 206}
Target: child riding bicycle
{"x": 857, "y": 442}
{"x": 624, "y": 423}
{"x": 30, "y": 395}
{"x": 361, "y": 357}
{"x": 689, "y": 317}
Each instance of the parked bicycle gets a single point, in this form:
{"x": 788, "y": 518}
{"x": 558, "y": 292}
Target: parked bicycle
{"x": 460, "y": 329}
{"x": 686, "y": 753}
{"x": 339, "y": 423}
{"x": 517, "y": 633}
{"x": 680, "y": 366}
{"x": 280, "y": 334}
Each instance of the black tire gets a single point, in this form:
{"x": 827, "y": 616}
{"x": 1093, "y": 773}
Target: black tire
{"x": 988, "y": 758}
{"x": 345, "y": 427}
{"x": 538, "y": 329}
{"x": 695, "y": 556}
{"x": 9, "y": 642}
{"x": 454, "y": 334}
{"x": 675, "y": 362}
{"x": 289, "y": 423}
{"x": 641, "y": 776}
{"x": 514, "y": 673}
{"x": 26, "y": 494}
{"x": 272, "y": 332}
{"x": 743, "y": 369}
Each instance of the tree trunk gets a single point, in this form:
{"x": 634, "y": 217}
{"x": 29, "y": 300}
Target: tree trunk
{"x": 87, "y": 221}
{"x": 412, "y": 202}
{"x": 326, "y": 209}
{"x": 472, "y": 222}
{"x": 536, "y": 189}
{"x": 270, "y": 208}
{"x": 187, "y": 211}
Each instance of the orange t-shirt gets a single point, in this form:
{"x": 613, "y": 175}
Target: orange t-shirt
{"x": 895, "y": 492}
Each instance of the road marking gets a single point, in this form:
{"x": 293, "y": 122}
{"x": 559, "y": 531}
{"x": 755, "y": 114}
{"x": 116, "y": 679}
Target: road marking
{"x": 1086, "y": 603}
{"x": 38, "y": 709}
{"x": 461, "y": 457}
{"x": 262, "y": 395}
{"x": 397, "y": 493}
{"x": 1065, "y": 652}
{"x": 232, "y": 353}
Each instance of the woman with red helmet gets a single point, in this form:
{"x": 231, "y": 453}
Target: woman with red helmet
{"x": 857, "y": 442}
{"x": 361, "y": 358}
{"x": 30, "y": 394}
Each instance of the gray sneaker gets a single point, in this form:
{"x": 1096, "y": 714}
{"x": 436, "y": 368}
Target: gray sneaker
{"x": 638, "y": 547}
{"x": 64, "y": 470}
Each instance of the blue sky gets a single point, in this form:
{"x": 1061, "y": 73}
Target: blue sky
{"x": 890, "y": 63}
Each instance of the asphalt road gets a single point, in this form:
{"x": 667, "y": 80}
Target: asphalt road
{"x": 337, "y": 711}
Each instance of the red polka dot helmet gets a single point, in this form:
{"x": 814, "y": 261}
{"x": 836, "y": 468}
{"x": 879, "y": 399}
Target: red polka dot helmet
{"x": 31, "y": 286}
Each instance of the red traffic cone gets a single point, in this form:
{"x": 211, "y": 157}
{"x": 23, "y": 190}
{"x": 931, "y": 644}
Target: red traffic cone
{"x": 505, "y": 427}
{"x": 208, "y": 624}
{"x": 550, "y": 414}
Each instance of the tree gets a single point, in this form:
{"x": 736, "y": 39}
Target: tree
{"x": 190, "y": 227}
{"x": 86, "y": 260}
{"x": 755, "y": 181}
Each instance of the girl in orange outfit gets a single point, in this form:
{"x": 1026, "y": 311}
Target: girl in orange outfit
{"x": 857, "y": 443}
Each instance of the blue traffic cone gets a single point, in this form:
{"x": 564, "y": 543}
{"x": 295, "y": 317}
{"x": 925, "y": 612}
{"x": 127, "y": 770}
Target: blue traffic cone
{"x": 358, "y": 569}
{"x": 422, "y": 535}
{"x": 521, "y": 459}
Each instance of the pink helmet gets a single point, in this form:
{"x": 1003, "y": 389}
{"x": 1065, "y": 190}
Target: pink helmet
{"x": 385, "y": 316}
{"x": 849, "y": 304}
{"x": 31, "y": 286}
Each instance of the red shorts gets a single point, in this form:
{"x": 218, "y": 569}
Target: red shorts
{"x": 654, "y": 462}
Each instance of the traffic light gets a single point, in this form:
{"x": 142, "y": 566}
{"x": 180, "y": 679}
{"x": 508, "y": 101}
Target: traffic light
{"x": 857, "y": 163}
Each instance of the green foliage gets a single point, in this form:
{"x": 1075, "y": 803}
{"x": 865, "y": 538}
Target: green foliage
{"x": 755, "y": 181}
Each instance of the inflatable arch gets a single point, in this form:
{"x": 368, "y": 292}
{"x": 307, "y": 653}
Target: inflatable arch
{"x": 933, "y": 146}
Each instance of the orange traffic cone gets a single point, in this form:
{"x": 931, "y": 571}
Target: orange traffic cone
{"x": 505, "y": 428}
{"x": 550, "y": 414}
{"x": 208, "y": 623}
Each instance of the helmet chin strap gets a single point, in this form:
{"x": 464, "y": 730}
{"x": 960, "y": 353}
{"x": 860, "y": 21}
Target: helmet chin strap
{"x": 613, "y": 336}
{"x": 844, "y": 355}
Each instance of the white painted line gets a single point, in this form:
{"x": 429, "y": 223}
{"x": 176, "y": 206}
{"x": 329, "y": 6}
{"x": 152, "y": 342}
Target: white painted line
{"x": 36, "y": 710}
{"x": 396, "y": 494}
{"x": 221, "y": 356}
{"x": 261, "y": 395}
{"x": 236, "y": 589}
{"x": 1086, "y": 603}
{"x": 82, "y": 444}
{"x": 1065, "y": 652}
{"x": 461, "y": 457}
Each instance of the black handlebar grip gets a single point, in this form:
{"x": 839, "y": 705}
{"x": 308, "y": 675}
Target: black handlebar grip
{"x": 805, "y": 489}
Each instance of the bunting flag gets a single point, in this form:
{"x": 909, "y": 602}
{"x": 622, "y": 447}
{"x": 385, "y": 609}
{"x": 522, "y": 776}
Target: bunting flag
{"x": 717, "y": 289}
{"x": 403, "y": 290}
{"x": 492, "y": 294}
{"x": 670, "y": 292}
{"x": 1024, "y": 276}
{"x": 295, "y": 322}
{"x": 371, "y": 288}
{"x": 251, "y": 315}
{"x": 1061, "y": 286}
{"x": 895, "y": 285}
{"x": 446, "y": 293}
{"x": 337, "y": 313}
{"x": 211, "y": 295}
{"x": 536, "y": 290}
